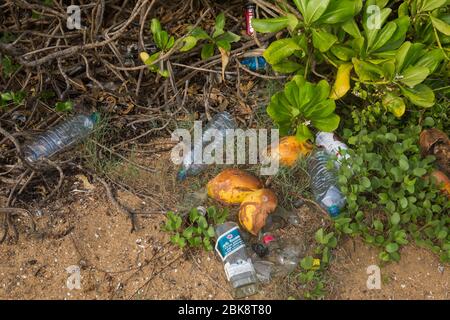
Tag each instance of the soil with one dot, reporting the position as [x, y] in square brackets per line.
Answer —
[83, 229]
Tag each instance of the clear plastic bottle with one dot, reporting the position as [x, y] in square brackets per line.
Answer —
[221, 122]
[324, 183]
[60, 137]
[276, 258]
[281, 218]
[330, 142]
[238, 265]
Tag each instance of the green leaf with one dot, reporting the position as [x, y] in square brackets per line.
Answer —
[307, 263]
[430, 5]
[378, 225]
[286, 66]
[418, 172]
[395, 218]
[367, 71]
[219, 25]
[7, 96]
[188, 43]
[280, 50]
[340, 11]
[391, 247]
[414, 75]
[403, 163]
[319, 236]
[431, 59]
[384, 36]
[394, 104]
[210, 231]
[399, 35]
[202, 223]
[323, 40]
[207, 51]
[224, 45]
[365, 182]
[402, 52]
[64, 106]
[351, 27]
[343, 53]
[187, 233]
[421, 95]
[328, 124]
[440, 25]
[194, 215]
[303, 133]
[229, 37]
[314, 10]
[274, 24]
[199, 33]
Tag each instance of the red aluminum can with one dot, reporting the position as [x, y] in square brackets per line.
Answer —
[250, 10]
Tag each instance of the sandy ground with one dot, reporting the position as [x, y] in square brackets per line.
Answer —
[83, 230]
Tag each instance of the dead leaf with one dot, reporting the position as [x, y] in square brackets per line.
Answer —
[86, 184]
[225, 56]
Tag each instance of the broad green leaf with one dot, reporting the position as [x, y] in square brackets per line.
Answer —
[188, 43]
[351, 27]
[340, 11]
[402, 52]
[219, 25]
[440, 25]
[314, 10]
[301, 6]
[394, 104]
[343, 53]
[307, 263]
[384, 36]
[207, 51]
[399, 36]
[199, 34]
[286, 66]
[229, 37]
[224, 45]
[373, 23]
[395, 218]
[280, 50]
[414, 75]
[418, 172]
[367, 71]
[430, 5]
[431, 60]
[303, 133]
[155, 27]
[421, 95]
[391, 247]
[270, 24]
[323, 40]
[328, 124]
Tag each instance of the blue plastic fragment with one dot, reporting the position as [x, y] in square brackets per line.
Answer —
[254, 63]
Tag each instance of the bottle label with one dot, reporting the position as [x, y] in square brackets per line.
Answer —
[229, 242]
[242, 266]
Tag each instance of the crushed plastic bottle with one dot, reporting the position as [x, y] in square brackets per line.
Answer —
[324, 183]
[238, 265]
[255, 63]
[330, 142]
[281, 218]
[221, 121]
[274, 258]
[60, 137]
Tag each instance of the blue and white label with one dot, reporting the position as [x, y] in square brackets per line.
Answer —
[229, 242]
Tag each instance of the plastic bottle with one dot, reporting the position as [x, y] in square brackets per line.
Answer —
[238, 265]
[221, 122]
[281, 218]
[276, 258]
[332, 145]
[324, 183]
[60, 137]
[254, 63]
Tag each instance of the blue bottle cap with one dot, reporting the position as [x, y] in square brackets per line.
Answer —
[334, 211]
[182, 174]
[95, 116]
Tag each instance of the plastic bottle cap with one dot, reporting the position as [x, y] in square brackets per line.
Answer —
[334, 211]
[95, 116]
[268, 238]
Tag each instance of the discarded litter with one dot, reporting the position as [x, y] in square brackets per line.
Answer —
[220, 122]
[324, 183]
[249, 13]
[332, 145]
[279, 257]
[62, 136]
[289, 150]
[255, 209]
[281, 218]
[231, 186]
[254, 63]
[238, 265]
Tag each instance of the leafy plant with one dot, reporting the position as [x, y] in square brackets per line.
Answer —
[11, 97]
[302, 104]
[196, 230]
[219, 38]
[312, 269]
[8, 67]
[390, 200]
[64, 106]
